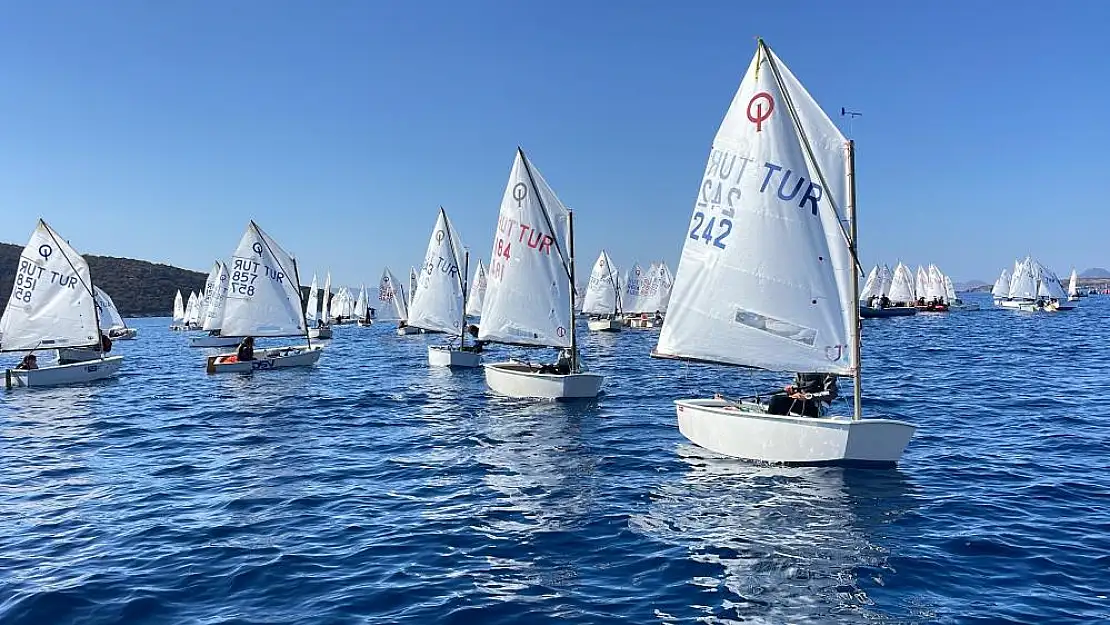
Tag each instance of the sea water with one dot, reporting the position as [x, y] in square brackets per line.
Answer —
[372, 489]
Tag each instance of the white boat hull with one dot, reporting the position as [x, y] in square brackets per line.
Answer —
[320, 333]
[516, 379]
[605, 325]
[718, 425]
[407, 330]
[60, 375]
[266, 359]
[642, 324]
[215, 341]
[440, 356]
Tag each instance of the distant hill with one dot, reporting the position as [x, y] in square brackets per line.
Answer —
[138, 288]
[1096, 273]
[971, 285]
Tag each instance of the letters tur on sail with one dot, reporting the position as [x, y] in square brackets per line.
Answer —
[476, 296]
[528, 293]
[262, 297]
[765, 276]
[603, 291]
[51, 304]
[438, 303]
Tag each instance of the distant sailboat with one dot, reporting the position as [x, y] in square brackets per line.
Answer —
[321, 329]
[875, 300]
[769, 280]
[477, 294]
[1001, 289]
[439, 303]
[264, 300]
[111, 322]
[53, 306]
[178, 312]
[530, 297]
[214, 312]
[391, 291]
[603, 296]
[1073, 287]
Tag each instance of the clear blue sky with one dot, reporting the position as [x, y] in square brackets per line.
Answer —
[155, 130]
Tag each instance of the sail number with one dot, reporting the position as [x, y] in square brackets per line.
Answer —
[704, 230]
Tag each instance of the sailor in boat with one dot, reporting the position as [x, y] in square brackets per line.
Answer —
[807, 396]
[246, 349]
[476, 346]
[658, 317]
[561, 366]
[30, 361]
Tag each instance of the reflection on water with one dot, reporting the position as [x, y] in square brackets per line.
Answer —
[778, 544]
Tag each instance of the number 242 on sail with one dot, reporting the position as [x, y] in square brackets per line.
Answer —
[723, 226]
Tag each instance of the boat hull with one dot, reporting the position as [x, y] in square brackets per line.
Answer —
[267, 359]
[215, 341]
[516, 379]
[641, 324]
[868, 312]
[605, 325]
[720, 426]
[123, 334]
[407, 330]
[320, 333]
[61, 375]
[441, 356]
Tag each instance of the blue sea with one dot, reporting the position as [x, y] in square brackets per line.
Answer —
[372, 489]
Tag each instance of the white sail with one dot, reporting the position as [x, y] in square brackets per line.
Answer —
[886, 277]
[192, 314]
[477, 292]
[325, 302]
[934, 288]
[528, 299]
[214, 312]
[666, 285]
[1023, 284]
[1002, 285]
[603, 290]
[391, 291]
[312, 308]
[901, 285]
[634, 281]
[1073, 285]
[178, 307]
[1049, 284]
[765, 276]
[439, 300]
[263, 298]
[51, 303]
[209, 293]
[106, 310]
[359, 309]
[949, 291]
[872, 287]
[921, 283]
[655, 289]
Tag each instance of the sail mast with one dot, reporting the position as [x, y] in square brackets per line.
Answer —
[463, 281]
[300, 305]
[573, 288]
[857, 391]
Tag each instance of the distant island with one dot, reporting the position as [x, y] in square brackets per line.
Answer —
[139, 288]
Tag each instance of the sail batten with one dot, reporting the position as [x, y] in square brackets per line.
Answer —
[765, 279]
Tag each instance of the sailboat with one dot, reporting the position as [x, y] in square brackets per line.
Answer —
[439, 303]
[391, 291]
[768, 277]
[264, 300]
[362, 312]
[876, 301]
[178, 312]
[111, 322]
[955, 304]
[214, 312]
[1001, 289]
[1073, 287]
[192, 312]
[320, 328]
[603, 296]
[477, 291]
[530, 296]
[53, 306]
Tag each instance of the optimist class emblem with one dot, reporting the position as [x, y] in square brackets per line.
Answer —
[756, 114]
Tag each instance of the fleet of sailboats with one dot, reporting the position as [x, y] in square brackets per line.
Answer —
[1033, 287]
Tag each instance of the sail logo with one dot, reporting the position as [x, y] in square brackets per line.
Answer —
[756, 113]
[520, 191]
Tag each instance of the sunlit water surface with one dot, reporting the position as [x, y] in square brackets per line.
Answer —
[372, 489]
